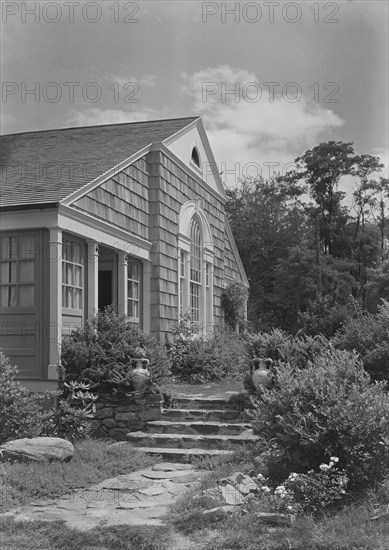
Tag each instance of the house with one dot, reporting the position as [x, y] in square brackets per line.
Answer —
[125, 214]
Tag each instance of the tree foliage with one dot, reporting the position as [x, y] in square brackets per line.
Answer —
[313, 258]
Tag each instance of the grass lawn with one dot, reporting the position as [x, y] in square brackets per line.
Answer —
[56, 536]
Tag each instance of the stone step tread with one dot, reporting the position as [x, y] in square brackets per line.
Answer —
[204, 402]
[212, 415]
[184, 452]
[243, 425]
[205, 411]
[192, 437]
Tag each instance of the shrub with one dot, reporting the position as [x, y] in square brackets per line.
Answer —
[25, 414]
[280, 346]
[107, 343]
[329, 408]
[368, 334]
[195, 360]
[21, 414]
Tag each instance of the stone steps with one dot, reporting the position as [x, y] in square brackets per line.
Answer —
[183, 441]
[205, 415]
[196, 427]
[200, 427]
[183, 455]
[203, 403]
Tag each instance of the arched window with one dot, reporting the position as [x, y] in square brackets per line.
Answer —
[196, 156]
[195, 266]
[195, 269]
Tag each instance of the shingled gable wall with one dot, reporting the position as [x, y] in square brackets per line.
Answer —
[170, 188]
[146, 199]
[123, 200]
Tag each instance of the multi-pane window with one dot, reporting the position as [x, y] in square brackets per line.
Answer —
[72, 275]
[134, 290]
[195, 269]
[182, 279]
[18, 257]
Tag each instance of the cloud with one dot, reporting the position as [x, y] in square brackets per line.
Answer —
[7, 123]
[250, 122]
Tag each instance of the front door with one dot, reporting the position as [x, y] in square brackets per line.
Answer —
[105, 294]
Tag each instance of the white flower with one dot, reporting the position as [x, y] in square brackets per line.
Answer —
[293, 476]
[334, 458]
[324, 467]
[289, 508]
[330, 464]
[260, 477]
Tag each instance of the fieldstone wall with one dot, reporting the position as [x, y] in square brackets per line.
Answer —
[116, 415]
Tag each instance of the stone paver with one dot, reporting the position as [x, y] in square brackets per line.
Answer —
[139, 498]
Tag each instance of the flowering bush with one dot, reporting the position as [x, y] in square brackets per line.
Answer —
[313, 492]
[329, 408]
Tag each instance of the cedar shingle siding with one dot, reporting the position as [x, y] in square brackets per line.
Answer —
[116, 190]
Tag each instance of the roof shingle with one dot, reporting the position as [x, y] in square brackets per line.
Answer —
[47, 166]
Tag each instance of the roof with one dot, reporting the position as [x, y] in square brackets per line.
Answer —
[45, 167]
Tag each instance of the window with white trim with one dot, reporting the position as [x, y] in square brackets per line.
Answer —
[195, 265]
[195, 269]
[18, 257]
[72, 275]
[134, 278]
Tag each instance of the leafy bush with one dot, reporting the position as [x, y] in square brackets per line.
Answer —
[25, 414]
[21, 414]
[329, 408]
[280, 346]
[368, 334]
[195, 360]
[105, 345]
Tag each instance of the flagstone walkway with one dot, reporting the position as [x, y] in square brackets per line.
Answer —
[139, 498]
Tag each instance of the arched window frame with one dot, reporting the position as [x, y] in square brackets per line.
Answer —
[193, 218]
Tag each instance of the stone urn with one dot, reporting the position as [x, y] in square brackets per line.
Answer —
[261, 375]
[140, 374]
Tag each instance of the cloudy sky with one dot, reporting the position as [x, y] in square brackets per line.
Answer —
[269, 79]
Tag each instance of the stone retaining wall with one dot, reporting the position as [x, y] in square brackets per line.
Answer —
[116, 415]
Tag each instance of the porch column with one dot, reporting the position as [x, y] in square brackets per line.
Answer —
[122, 283]
[146, 297]
[55, 287]
[93, 278]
